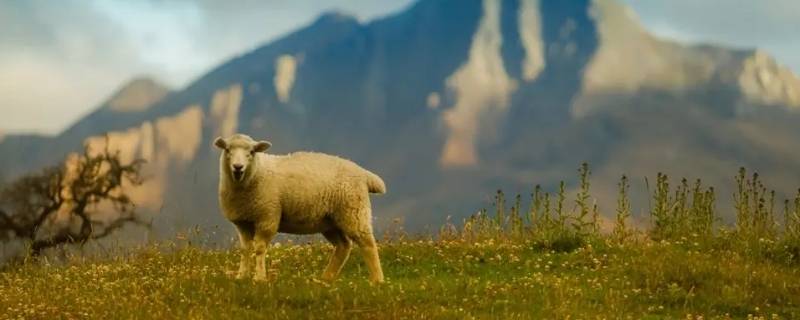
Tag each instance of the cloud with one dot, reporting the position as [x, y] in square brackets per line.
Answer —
[62, 60]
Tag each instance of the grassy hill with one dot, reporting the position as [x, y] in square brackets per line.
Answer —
[546, 261]
[452, 279]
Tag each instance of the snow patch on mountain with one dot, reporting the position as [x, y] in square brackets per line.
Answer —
[480, 85]
[530, 32]
[763, 81]
[225, 110]
[285, 69]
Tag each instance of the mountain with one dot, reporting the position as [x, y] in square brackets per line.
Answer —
[450, 100]
[137, 95]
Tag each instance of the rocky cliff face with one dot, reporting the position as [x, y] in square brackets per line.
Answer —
[451, 100]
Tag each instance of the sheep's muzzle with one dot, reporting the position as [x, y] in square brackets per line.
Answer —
[238, 172]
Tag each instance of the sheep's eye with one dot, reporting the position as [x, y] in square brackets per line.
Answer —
[252, 153]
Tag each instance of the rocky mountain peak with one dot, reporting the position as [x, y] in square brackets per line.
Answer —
[137, 95]
[335, 17]
[762, 80]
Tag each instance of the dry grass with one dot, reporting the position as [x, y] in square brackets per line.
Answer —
[539, 261]
[426, 279]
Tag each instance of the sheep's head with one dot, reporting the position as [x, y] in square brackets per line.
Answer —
[238, 153]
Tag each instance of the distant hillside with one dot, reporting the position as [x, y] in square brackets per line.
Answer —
[450, 100]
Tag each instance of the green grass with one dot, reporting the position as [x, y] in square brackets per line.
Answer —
[546, 261]
[425, 279]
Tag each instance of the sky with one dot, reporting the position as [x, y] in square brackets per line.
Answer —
[61, 59]
[771, 25]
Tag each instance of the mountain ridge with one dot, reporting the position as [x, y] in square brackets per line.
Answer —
[450, 100]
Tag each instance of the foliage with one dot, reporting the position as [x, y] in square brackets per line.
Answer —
[621, 230]
[59, 205]
[686, 210]
[548, 220]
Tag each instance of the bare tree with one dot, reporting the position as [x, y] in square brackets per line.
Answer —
[59, 205]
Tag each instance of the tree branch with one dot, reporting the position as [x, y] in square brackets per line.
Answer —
[37, 198]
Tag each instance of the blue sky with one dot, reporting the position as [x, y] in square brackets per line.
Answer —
[772, 25]
[61, 59]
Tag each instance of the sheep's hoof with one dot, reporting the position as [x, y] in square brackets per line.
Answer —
[240, 276]
[324, 282]
[267, 277]
[236, 274]
[326, 278]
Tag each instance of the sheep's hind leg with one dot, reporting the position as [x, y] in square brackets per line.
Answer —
[246, 233]
[368, 244]
[356, 224]
[261, 242]
[341, 252]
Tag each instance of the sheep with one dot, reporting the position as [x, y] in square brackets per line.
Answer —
[300, 193]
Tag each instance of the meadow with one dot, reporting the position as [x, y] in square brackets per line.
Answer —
[537, 260]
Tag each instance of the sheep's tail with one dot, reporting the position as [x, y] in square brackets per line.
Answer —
[375, 183]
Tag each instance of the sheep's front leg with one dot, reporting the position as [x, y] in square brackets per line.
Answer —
[246, 233]
[261, 242]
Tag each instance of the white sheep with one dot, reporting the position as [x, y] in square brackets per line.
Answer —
[298, 193]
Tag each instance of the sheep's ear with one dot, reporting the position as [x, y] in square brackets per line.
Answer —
[220, 143]
[262, 146]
